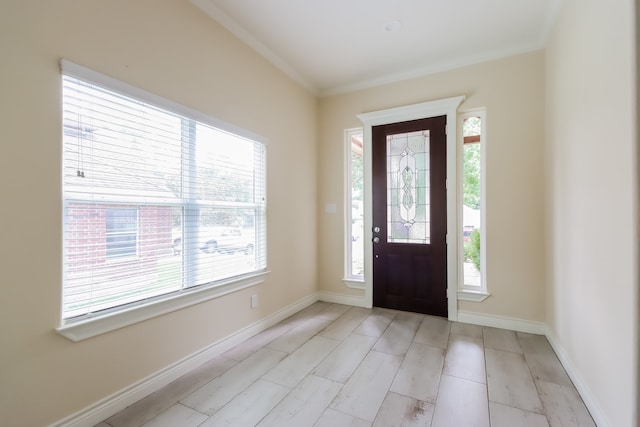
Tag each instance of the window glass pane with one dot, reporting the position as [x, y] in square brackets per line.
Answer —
[121, 231]
[356, 207]
[155, 202]
[114, 144]
[408, 189]
[471, 212]
[224, 165]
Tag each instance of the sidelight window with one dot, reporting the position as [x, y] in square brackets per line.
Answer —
[354, 212]
[473, 278]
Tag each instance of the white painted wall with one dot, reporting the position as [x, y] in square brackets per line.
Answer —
[592, 217]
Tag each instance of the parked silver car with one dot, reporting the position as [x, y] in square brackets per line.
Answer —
[220, 239]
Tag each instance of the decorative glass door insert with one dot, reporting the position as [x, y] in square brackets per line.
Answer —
[408, 198]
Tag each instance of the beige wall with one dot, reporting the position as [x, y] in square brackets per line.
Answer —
[591, 202]
[581, 182]
[512, 91]
[170, 48]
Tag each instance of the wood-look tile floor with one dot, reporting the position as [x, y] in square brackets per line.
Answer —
[335, 365]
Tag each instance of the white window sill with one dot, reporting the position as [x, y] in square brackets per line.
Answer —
[472, 295]
[354, 283]
[87, 328]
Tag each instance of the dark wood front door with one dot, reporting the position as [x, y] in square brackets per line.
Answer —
[410, 216]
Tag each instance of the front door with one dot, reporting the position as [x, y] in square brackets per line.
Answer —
[410, 216]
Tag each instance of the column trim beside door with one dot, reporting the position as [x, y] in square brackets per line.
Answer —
[448, 107]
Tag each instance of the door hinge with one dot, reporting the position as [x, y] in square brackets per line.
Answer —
[446, 238]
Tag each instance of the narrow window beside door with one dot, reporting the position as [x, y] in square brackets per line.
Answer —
[354, 213]
[472, 202]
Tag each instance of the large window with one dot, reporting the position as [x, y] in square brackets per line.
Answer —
[158, 201]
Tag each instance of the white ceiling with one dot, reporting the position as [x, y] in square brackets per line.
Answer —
[333, 46]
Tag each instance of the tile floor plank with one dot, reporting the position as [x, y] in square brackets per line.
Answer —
[256, 342]
[402, 411]
[218, 392]
[377, 322]
[397, 338]
[564, 406]
[332, 312]
[306, 313]
[465, 358]
[466, 329]
[333, 418]
[434, 331]
[304, 405]
[461, 403]
[345, 358]
[506, 416]
[250, 406]
[346, 323]
[177, 415]
[542, 360]
[294, 338]
[510, 382]
[419, 373]
[152, 405]
[501, 339]
[363, 394]
[290, 371]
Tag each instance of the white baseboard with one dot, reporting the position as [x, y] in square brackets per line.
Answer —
[120, 400]
[529, 326]
[355, 301]
[583, 390]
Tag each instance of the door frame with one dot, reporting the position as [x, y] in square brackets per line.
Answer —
[442, 107]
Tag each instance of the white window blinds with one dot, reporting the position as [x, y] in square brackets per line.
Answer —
[157, 201]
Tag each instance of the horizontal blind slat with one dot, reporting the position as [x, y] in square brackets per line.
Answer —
[146, 192]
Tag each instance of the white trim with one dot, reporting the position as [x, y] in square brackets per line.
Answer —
[71, 69]
[473, 296]
[353, 300]
[520, 325]
[78, 331]
[120, 400]
[97, 323]
[467, 293]
[354, 283]
[584, 391]
[348, 210]
[441, 107]
[245, 36]
[541, 328]
[428, 70]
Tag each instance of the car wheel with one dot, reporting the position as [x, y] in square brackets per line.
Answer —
[211, 247]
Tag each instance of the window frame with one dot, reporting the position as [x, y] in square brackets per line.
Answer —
[118, 317]
[467, 292]
[351, 280]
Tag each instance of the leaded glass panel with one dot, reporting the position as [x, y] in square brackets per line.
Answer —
[408, 201]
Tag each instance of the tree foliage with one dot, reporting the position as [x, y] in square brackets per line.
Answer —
[471, 177]
[472, 248]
